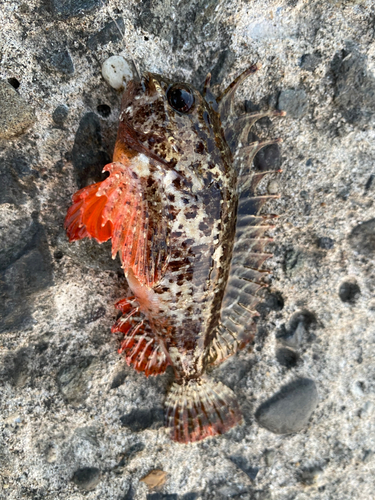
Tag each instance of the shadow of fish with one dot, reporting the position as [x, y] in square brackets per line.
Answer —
[181, 208]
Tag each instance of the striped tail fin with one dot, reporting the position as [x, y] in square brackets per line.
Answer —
[201, 408]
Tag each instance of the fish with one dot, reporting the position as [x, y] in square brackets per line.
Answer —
[181, 207]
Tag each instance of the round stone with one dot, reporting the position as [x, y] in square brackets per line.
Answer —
[117, 72]
[273, 187]
[290, 409]
[60, 114]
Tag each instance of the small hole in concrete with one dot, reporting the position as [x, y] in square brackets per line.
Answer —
[14, 82]
[104, 110]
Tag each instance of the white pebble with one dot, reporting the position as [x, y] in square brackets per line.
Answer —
[273, 187]
[117, 72]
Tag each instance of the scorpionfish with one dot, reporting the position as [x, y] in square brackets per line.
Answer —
[181, 208]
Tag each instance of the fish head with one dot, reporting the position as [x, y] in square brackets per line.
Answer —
[174, 123]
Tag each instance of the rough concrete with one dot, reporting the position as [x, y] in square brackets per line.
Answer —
[75, 422]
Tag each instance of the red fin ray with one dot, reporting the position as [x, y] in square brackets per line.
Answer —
[117, 208]
[138, 344]
[201, 408]
[84, 216]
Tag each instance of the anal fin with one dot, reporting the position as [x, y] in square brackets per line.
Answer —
[137, 341]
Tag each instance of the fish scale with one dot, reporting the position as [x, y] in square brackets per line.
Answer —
[181, 208]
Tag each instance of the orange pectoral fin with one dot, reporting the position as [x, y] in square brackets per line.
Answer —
[118, 208]
[85, 216]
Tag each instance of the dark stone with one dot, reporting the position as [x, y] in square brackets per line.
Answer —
[73, 379]
[60, 114]
[294, 259]
[326, 243]
[118, 379]
[190, 496]
[162, 496]
[268, 158]
[14, 83]
[104, 110]
[222, 67]
[141, 419]
[62, 61]
[24, 274]
[16, 115]
[72, 8]
[309, 62]
[294, 102]
[349, 291]
[87, 478]
[251, 107]
[297, 329]
[354, 87]
[88, 156]
[362, 238]
[286, 357]
[243, 464]
[112, 32]
[290, 409]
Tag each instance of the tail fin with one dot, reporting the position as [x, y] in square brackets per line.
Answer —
[201, 408]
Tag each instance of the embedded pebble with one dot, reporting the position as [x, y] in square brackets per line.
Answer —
[362, 238]
[273, 187]
[117, 72]
[60, 114]
[326, 243]
[15, 114]
[290, 409]
[155, 479]
[87, 478]
[349, 291]
[67, 9]
[294, 102]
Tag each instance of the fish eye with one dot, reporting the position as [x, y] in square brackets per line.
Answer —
[180, 97]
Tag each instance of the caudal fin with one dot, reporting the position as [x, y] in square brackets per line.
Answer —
[201, 408]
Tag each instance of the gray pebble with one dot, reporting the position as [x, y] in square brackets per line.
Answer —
[60, 114]
[66, 9]
[326, 243]
[309, 62]
[15, 114]
[290, 409]
[362, 238]
[62, 61]
[349, 291]
[294, 102]
[269, 457]
[87, 478]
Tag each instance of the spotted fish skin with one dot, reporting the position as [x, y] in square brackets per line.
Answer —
[171, 207]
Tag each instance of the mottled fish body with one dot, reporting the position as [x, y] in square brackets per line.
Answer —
[183, 214]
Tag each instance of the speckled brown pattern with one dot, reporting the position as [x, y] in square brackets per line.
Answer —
[182, 211]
